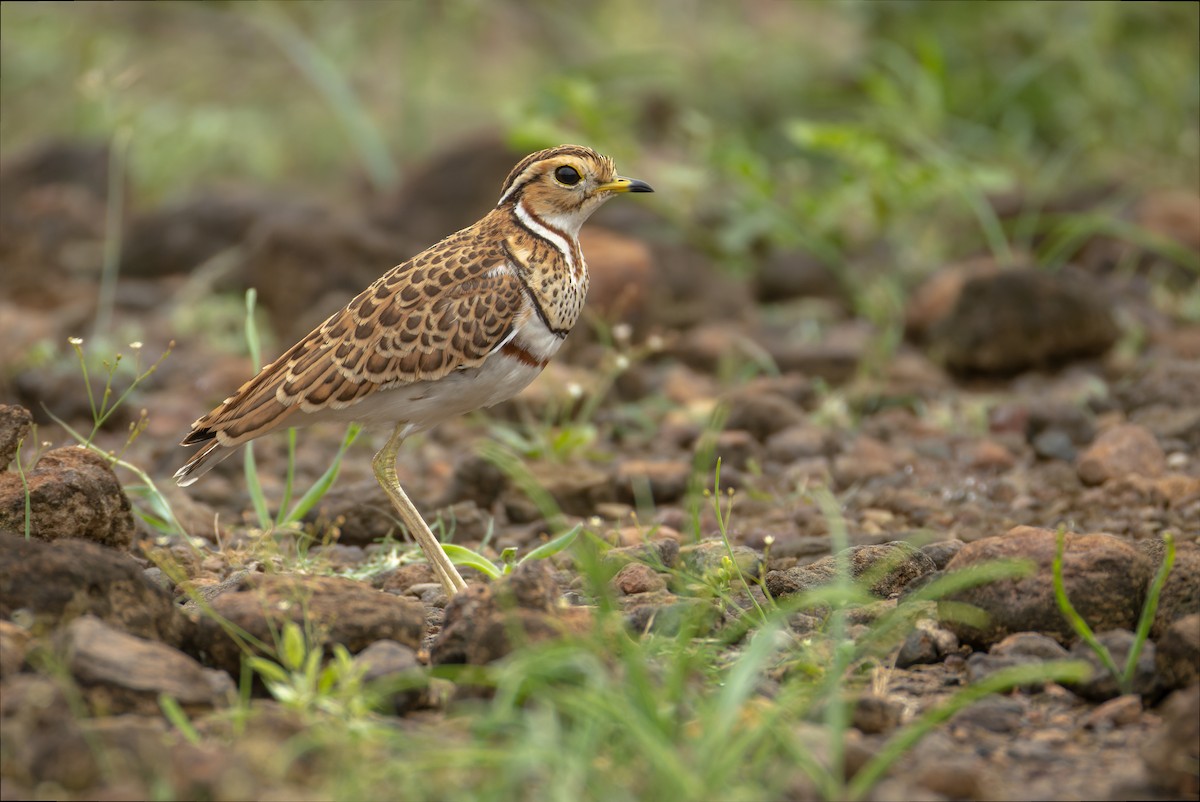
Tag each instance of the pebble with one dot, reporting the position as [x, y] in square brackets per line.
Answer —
[1119, 712]
[1119, 451]
[638, 578]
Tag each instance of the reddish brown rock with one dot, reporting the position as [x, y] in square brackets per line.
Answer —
[58, 582]
[1120, 451]
[638, 578]
[1105, 579]
[73, 493]
[335, 609]
[1019, 319]
[621, 270]
[15, 423]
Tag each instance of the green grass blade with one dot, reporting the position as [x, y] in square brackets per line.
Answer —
[460, 555]
[290, 478]
[1148, 610]
[175, 714]
[552, 547]
[1074, 618]
[322, 485]
[254, 487]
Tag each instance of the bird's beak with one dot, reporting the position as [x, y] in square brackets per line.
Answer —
[625, 185]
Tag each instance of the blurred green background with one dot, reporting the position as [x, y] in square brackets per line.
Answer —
[884, 131]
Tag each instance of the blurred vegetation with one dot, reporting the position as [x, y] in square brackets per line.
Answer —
[864, 130]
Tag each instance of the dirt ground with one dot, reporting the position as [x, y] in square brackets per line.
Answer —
[1010, 401]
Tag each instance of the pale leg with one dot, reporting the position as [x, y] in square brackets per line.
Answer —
[385, 472]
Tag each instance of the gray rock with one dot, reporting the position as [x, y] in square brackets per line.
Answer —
[1178, 653]
[1102, 685]
[926, 644]
[393, 671]
[120, 673]
[1172, 754]
[887, 567]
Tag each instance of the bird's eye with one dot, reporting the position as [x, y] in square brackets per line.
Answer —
[568, 175]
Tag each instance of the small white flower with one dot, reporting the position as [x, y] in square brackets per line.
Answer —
[622, 332]
[75, 340]
[136, 345]
[575, 390]
[622, 362]
[655, 343]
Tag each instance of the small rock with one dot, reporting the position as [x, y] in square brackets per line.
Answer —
[361, 510]
[1178, 653]
[988, 455]
[942, 551]
[1180, 595]
[1029, 644]
[1119, 712]
[954, 777]
[15, 423]
[890, 566]
[926, 644]
[710, 555]
[1000, 714]
[14, 644]
[1120, 451]
[799, 442]
[1057, 430]
[670, 615]
[867, 458]
[388, 665]
[1019, 319]
[43, 739]
[783, 275]
[403, 578]
[577, 486]
[761, 413]
[736, 448]
[58, 582]
[1105, 579]
[338, 610]
[482, 622]
[664, 481]
[874, 714]
[120, 673]
[73, 493]
[1172, 754]
[622, 272]
[477, 479]
[638, 578]
[661, 551]
[1054, 444]
[1103, 685]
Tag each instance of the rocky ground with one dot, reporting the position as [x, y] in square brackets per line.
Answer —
[1018, 401]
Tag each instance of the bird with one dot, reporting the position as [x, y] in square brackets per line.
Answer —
[465, 324]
